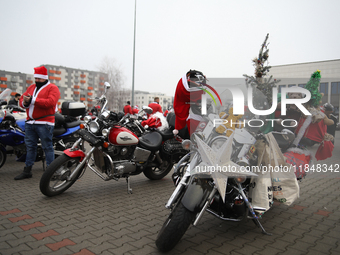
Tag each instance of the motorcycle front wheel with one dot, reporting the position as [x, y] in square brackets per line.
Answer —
[158, 172]
[174, 228]
[55, 181]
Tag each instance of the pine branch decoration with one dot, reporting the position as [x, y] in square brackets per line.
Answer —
[261, 70]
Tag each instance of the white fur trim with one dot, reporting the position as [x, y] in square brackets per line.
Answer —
[163, 120]
[195, 117]
[302, 130]
[34, 97]
[41, 76]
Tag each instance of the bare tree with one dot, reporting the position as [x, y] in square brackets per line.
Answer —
[115, 78]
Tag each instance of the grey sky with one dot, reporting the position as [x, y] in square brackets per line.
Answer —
[218, 37]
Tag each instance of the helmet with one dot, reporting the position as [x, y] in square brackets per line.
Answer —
[328, 107]
[196, 77]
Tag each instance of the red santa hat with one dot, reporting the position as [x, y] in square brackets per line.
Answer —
[40, 72]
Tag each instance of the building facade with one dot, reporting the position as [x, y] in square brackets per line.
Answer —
[81, 85]
[74, 84]
[299, 75]
[142, 98]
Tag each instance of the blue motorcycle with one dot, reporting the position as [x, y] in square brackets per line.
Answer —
[12, 135]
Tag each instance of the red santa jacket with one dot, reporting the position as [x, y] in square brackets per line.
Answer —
[316, 132]
[43, 103]
[155, 107]
[183, 96]
[135, 110]
[127, 109]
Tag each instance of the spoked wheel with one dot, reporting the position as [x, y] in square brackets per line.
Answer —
[174, 228]
[55, 179]
[158, 172]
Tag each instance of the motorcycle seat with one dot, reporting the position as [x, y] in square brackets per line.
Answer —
[62, 122]
[58, 131]
[284, 139]
[151, 141]
[72, 124]
[166, 134]
[184, 132]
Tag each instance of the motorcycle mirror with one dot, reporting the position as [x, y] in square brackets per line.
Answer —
[107, 85]
[147, 109]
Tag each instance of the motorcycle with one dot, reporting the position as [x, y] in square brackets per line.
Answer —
[115, 152]
[12, 134]
[201, 187]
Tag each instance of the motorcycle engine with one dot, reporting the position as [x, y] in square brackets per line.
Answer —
[172, 146]
[120, 152]
[103, 162]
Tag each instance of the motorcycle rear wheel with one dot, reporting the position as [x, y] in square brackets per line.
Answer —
[54, 180]
[3, 157]
[158, 172]
[174, 228]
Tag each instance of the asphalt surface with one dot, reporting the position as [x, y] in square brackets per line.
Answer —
[98, 217]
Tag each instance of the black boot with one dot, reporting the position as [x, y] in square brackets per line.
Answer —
[27, 173]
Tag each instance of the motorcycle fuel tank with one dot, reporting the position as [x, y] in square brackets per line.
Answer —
[122, 136]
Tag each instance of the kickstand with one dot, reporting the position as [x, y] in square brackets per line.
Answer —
[257, 223]
[129, 190]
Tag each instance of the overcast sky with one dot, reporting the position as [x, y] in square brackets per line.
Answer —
[218, 37]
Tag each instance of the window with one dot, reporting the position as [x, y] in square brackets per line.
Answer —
[302, 85]
[280, 87]
[291, 85]
[335, 87]
[324, 88]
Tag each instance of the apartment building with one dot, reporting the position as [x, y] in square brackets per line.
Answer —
[145, 98]
[74, 84]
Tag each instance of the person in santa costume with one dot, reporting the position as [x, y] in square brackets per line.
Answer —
[188, 94]
[155, 106]
[127, 108]
[40, 101]
[135, 110]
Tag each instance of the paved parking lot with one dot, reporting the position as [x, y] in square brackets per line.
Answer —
[98, 217]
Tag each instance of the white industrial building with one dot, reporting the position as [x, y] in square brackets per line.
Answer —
[299, 75]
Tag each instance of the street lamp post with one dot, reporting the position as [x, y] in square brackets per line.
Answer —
[133, 65]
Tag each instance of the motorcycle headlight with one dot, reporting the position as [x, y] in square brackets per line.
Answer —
[94, 127]
[105, 132]
[217, 142]
[240, 179]
[87, 119]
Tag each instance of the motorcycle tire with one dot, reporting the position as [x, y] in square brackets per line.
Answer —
[158, 172]
[174, 228]
[3, 157]
[54, 180]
